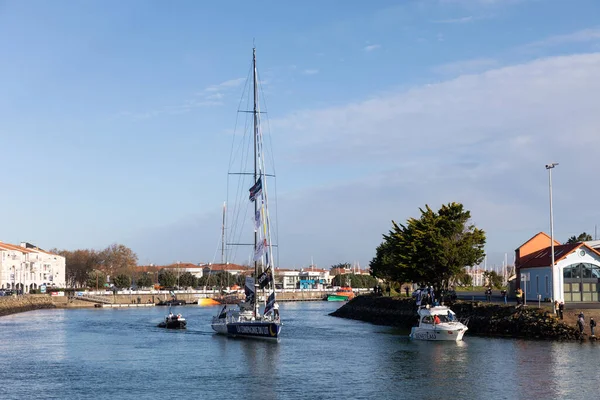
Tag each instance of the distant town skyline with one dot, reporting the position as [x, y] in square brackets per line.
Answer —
[116, 121]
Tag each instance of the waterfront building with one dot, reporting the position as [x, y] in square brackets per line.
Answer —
[577, 270]
[26, 267]
[477, 275]
[233, 269]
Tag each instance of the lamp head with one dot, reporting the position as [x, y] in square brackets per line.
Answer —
[552, 165]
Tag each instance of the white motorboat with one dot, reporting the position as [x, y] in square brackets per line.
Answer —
[438, 323]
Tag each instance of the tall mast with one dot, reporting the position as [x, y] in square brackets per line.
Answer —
[255, 113]
[223, 235]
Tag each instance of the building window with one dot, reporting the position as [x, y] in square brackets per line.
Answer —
[537, 284]
[548, 285]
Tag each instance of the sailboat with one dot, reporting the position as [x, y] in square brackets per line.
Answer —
[258, 315]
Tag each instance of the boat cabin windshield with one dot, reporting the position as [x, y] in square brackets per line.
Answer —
[429, 319]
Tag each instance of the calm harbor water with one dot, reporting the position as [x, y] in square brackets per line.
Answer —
[120, 354]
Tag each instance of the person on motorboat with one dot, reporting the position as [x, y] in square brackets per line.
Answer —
[436, 320]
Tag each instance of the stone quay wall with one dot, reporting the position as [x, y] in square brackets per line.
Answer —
[482, 318]
[17, 304]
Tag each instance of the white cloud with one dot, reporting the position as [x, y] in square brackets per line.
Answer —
[215, 96]
[481, 139]
[232, 83]
[465, 67]
[310, 71]
[584, 35]
[371, 47]
[461, 20]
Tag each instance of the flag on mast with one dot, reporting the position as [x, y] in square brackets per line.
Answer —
[260, 249]
[256, 189]
[257, 220]
[265, 278]
[270, 303]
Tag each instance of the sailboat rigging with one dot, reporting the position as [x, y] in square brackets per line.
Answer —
[246, 319]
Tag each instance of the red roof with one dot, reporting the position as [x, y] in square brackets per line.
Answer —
[8, 246]
[226, 267]
[543, 257]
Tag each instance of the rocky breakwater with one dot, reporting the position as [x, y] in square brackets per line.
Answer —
[17, 304]
[482, 318]
[517, 322]
[391, 311]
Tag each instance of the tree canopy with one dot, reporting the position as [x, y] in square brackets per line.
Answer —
[430, 250]
[493, 279]
[354, 280]
[122, 281]
[167, 278]
[95, 279]
[113, 260]
[145, 280]
[583, 237]
[188, 280]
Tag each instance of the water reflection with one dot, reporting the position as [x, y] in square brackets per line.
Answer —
[121, 354]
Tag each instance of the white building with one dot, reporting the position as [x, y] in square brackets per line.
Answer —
[576, 273]
[477, 276]
[233, 269]
[27, 267]
[312, 278]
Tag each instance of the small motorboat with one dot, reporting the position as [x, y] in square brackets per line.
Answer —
[438, 323]
[173, 321]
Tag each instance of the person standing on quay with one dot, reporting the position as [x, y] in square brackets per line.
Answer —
[580, 323]
[592, 326]
[561, 309]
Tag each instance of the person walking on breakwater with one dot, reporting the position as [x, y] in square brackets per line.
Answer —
[593, 327]
[556, 308]
[519, 294]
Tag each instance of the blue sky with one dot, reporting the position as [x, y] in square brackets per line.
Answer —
[116, 120]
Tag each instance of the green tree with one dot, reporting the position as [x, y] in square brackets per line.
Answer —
[583, 237]
[221, 279]
[122, 281]
[167, 278]
[355, 281]
[96, 279]
[188, 280]
[430, 250]
[493, 279]
[145, 280]
[464, 279]
[240, 280]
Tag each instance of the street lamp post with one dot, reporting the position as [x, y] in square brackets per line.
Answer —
[555, 285]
